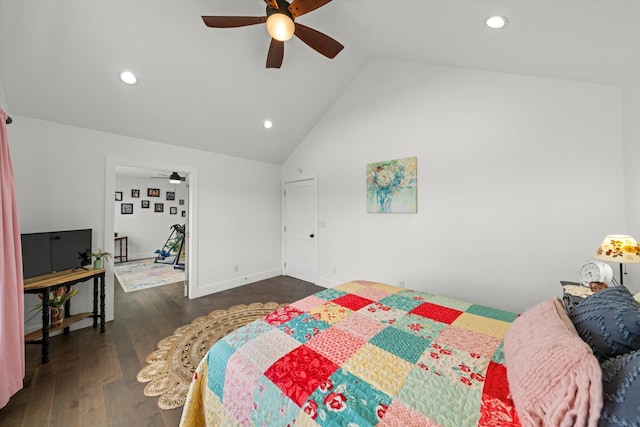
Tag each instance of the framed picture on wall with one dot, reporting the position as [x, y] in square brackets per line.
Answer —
[135, 193]
[392, 186]
[118, 196]
[173, 211]
[126, 208]
[171, 195]
[153, 192]
[158, 207]
[145, 204]
[184, 213]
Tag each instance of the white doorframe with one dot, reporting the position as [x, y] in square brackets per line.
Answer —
[191, 267]
[316, 240]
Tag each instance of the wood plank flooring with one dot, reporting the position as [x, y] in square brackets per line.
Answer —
[91, 377]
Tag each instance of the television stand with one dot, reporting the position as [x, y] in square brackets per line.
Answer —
[49, 283]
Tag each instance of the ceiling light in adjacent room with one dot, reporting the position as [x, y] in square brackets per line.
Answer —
[497, 22]
[268, 124]
[128, 77]
[175, 178]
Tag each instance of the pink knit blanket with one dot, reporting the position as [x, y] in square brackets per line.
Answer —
[554, 378]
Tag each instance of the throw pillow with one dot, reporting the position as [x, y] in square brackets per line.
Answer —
[621, 391]
[609, 321]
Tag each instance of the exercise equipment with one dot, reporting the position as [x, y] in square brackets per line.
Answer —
[173, 250]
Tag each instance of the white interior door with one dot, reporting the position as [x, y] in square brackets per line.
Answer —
[300, 234]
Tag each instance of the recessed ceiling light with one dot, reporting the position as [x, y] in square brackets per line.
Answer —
[128, 77]
[497, 22]
[268, 124]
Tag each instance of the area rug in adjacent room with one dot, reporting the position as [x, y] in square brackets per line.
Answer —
[146, 273]
[171, 366]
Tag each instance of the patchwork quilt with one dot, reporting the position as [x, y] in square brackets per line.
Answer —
[360, 354]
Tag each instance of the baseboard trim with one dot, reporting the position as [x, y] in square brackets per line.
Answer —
[212, 288]
[328, 283]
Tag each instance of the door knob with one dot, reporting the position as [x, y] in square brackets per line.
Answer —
[311, 235]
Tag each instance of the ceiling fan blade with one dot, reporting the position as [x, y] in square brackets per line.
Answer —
[318, 41]
[300, 7]
[273, 4]
[232, 21]
[276, 54]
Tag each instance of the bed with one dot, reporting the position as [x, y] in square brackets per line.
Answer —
[366, 353]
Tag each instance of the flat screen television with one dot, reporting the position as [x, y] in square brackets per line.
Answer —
[49, 252]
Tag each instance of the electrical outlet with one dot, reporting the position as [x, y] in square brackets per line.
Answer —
[236, 268]
[401, 283]
[335, 270]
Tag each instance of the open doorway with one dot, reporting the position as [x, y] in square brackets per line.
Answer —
[143, 212]
[150, 218]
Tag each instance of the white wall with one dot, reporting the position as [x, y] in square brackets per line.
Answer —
[631, 132]
[147, 230]
[504, 161]
[61, 180]
[518, 180]
[3, 98]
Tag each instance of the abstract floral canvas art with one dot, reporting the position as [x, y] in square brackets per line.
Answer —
[392, 186]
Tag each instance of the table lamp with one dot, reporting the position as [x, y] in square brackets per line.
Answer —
[619, 248]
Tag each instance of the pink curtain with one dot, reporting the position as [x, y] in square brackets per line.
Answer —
[11, 295]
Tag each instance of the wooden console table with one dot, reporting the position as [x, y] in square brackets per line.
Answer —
[49, 283]
[121, 257]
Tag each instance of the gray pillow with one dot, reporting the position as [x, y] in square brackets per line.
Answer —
[621, 391]
[609, 321]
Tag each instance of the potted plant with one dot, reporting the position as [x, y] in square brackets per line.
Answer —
[57, 300]
[100, 257]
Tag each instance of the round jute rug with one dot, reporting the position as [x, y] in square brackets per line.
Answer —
[171, 366]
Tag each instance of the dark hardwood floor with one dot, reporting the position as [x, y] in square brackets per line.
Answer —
[91, 377]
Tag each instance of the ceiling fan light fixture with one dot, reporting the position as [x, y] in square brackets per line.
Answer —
[175, 178]
[280, 26]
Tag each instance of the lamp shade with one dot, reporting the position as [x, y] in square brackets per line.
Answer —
[619, 248]
[280, 26]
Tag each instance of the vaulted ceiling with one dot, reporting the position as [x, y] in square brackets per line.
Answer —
[208, 88]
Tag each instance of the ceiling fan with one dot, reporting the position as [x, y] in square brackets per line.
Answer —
[174, 178]
[281, 26]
